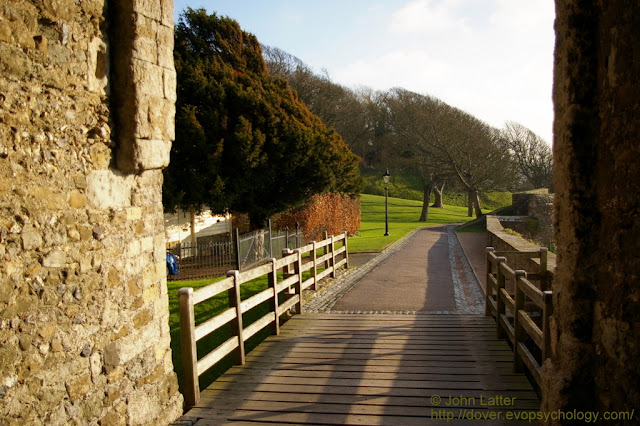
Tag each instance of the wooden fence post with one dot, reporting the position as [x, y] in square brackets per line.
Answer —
[314, 267]
[547, 311]
[237, 238]
[489, 286]
[346, 250]
[325, 236]
[188, 347]
[518, 330]
[286, 269]
[236, 324]
[500, 310]
[297, 267]
[333, 257]
[273, 304]
[544, 274]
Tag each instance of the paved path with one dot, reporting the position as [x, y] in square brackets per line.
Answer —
[426, 273]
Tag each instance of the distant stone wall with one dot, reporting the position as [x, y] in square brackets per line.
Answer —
[501, 240]
[86, 122]
[537, 205]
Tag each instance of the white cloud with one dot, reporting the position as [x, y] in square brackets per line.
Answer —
[423, 16]
[410, 69]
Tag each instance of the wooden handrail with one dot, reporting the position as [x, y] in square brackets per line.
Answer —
[520, 326]
[292, 266]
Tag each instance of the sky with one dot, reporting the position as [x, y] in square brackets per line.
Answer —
[490, 58]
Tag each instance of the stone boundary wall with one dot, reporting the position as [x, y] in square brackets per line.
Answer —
[87, 92]
[499, 239]
[538, 205]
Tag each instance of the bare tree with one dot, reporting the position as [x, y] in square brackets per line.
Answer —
[531, 153]
[449, 142]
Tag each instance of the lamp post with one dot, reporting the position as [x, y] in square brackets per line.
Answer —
[386, 178]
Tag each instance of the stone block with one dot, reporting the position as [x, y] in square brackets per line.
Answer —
[31, 238]
[77, 200]
[108, 189]
[152, 154]
[170, 84]
[149, 8]
[55, 259]
[165, 46]
[78, 386]
[148, 78]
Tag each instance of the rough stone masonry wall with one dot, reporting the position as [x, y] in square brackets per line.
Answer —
[86, 120]
[596, 360]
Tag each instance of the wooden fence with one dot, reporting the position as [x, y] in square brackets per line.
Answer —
[521, 308]
[292, 265]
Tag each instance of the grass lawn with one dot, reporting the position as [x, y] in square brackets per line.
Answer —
[403, 218]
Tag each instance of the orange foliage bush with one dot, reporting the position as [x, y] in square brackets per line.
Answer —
[333, 213]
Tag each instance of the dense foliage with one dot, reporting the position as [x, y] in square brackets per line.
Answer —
[244, 141]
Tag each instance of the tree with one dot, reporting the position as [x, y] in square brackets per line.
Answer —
[531, 153]
[338, 107]
[244, 141]
[448, 142]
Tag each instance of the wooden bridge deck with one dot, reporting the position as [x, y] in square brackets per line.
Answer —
[373, 369]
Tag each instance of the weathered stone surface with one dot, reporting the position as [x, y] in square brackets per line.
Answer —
[596, 362]
[75, 324]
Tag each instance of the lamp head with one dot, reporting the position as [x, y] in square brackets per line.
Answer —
[386, 176]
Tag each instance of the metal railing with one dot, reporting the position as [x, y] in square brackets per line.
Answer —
[216, 255]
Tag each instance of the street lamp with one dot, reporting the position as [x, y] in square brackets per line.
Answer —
[386, 178]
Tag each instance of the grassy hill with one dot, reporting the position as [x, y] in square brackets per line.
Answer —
[403, 218]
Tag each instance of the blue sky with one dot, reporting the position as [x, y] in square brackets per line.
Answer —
[491, 58]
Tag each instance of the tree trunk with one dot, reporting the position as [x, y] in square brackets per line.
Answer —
[470, 203]
[438, 200]
[427, 188]
[476, 203]
[257, 221]
[192, 220]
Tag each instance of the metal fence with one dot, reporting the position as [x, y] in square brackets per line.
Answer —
[214, 256]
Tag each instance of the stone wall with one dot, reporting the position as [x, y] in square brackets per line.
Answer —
[86, 122]
[596, 358]
[503, 241]
[537, 205]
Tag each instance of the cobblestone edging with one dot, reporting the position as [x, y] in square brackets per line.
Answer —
[467, 293]
[468, 296]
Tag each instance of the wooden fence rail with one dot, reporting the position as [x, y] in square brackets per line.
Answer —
[291, 264]
[514, 319]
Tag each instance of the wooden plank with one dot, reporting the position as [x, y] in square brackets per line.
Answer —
[211, 290]
[256, 299]
[531, 328]
[531, 291]
[286, 283]
[405, 401]
[323, 274]
[307, 283]
[214, 323]
[531, 363]
[373, 369]
[257, 325]
[284, 261]
[216, 355]
[253, 273]
[508, 301]
[323, 258]
[506, 325]
[519, 394]
[288, 304]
